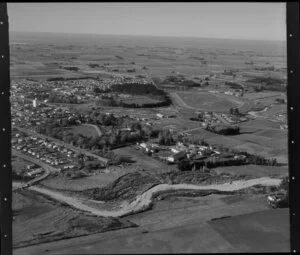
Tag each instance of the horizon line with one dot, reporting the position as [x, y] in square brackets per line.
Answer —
[142, 35]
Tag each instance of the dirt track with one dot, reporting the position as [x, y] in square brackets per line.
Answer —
[144, 201]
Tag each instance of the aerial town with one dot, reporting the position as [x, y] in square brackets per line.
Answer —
[120, 139]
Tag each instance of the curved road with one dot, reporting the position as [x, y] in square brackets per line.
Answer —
[48, 169]
[144, 201]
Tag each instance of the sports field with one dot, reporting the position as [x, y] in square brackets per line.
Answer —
[86, 130]
[207, 102]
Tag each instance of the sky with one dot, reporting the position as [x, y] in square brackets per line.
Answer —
[256, 21]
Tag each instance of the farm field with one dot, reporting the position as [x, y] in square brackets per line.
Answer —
[38, 219]
[247, 231]
[254, 170]
[262, 124]
[264, 95]
[182, 232]
[161, 56]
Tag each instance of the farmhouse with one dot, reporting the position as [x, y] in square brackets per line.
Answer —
[159, 115]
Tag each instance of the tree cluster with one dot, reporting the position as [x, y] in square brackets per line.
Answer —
[268, 83]
[69, 78]
[92, 65]
[234, 111]
[234, 85]
[66, 99]
[223, 129]
[71, 68]
[165, 137]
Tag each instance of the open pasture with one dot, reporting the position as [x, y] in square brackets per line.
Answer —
[260, 123]
[190, 232]
[255, 171]
[99, 179]
[247, 231]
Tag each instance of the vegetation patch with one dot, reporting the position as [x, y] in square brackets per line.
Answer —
[38, 219]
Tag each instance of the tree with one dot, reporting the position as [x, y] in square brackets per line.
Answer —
[124, 137]
[136, 126]
[184, 165]
[161, 138]
[65, 122]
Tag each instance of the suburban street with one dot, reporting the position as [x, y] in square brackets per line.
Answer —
[69, 146]
[48, 169]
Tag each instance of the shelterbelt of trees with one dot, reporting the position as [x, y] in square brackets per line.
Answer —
[70, 78]
[70, 99]
[213, 162]
[268, 83]
[222, 129]
[148, 90]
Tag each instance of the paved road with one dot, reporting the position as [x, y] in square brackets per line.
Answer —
[144, 201]
[69, 146]
[48, 169]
